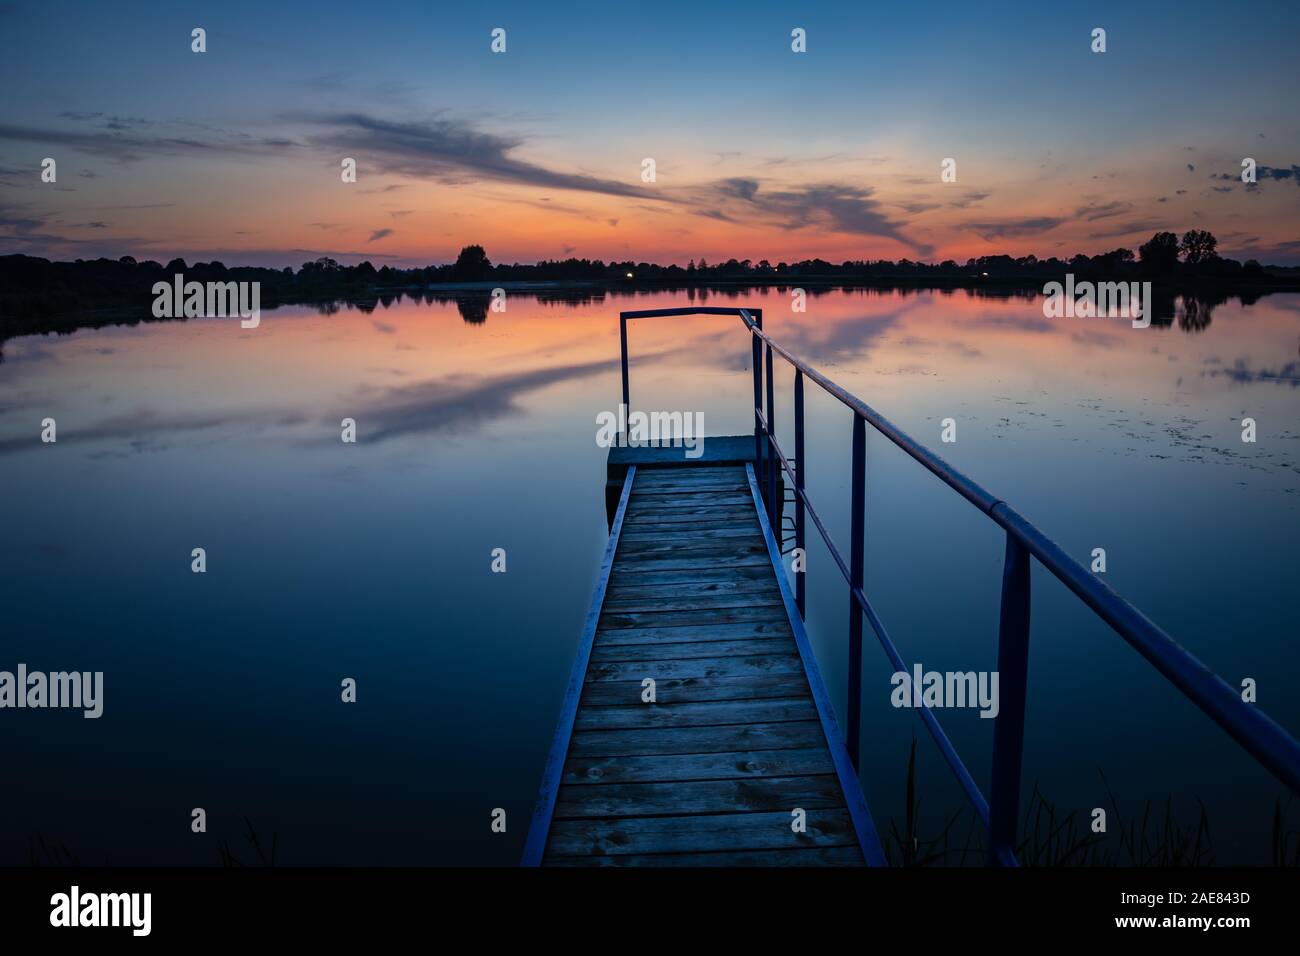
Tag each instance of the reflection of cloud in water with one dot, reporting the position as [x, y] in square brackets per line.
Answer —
[141, 428]
[839, 341]
[1243, 374]
[1024, 323]
[31, 353]
[961, 348]
[452, 403]
[1098, 339]
[443, 405]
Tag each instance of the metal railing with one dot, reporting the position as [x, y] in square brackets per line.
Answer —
[1254, 730]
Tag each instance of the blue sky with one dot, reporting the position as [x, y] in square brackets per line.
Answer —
[842, 143]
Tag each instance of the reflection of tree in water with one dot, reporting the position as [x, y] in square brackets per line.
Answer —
[1198, 311]
[1196, 315]
[473, 310]
[1193, 314]
[1162, 308]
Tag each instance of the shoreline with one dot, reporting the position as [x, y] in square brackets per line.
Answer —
[131, 311]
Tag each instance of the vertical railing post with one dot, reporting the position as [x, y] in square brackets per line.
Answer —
[758, 402]
[800, 544]
[622, 335]
[857, 567]
[773, 463]
[1009, 725]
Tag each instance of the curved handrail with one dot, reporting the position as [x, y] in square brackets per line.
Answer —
[1251, 727]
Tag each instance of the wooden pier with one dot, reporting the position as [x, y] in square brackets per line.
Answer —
[739, 741]
[736, 760]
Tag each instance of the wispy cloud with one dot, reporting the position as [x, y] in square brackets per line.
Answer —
[835, 206]
[1262, 175]
[970, 199]
[451, 150]
[1014, 228]
[113, 142]
[1093, 211]
[1127, 229]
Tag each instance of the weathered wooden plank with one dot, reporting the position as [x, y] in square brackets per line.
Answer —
[691, 487]
[670, 549]
[671, 476]
[651, 476]
[698, 796]
[702, 714]
[619, 578]
[682, 668]
[731, 498]
[743, 630]
[665, 506]
[727, 765]
[650, 524]
[676, 516]
[690, 533]
[716, 832]
[767, 598]
[718, 615]
[693, 740]
[692, 541]
[710, 497]
[809, 856]
[702, 544]
[680, 690]
[643, 564]
[687, 499]
[691, 589]
[601, 654]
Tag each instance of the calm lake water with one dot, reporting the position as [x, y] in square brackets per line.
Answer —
[372, 560]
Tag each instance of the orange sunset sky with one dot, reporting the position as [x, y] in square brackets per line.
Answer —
[537, 152]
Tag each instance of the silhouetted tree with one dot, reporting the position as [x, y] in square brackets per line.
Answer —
[1160, 253]
[1197, 246]
[322, 267]
[472, 265]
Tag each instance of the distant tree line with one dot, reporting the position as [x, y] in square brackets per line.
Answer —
[33, 287]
